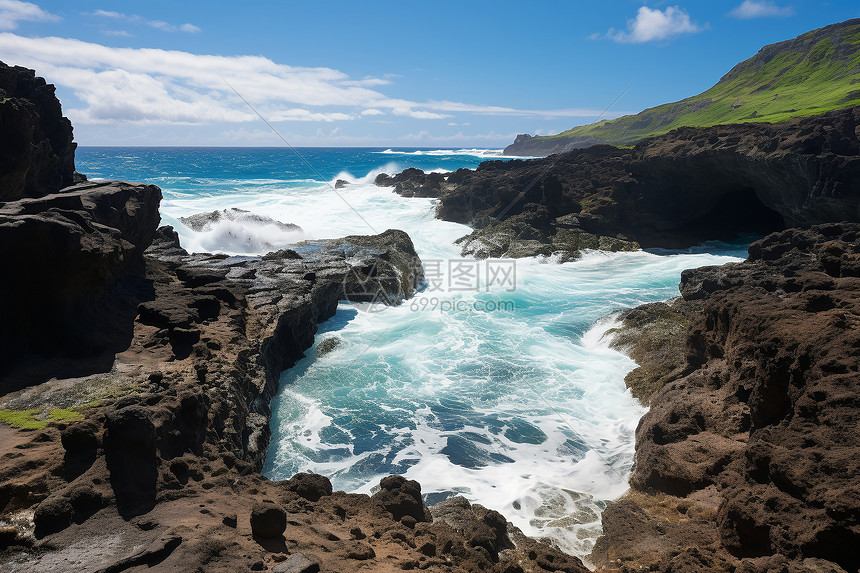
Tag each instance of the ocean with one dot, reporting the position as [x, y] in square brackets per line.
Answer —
[494, 382]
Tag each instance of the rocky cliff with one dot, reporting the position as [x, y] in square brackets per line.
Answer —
[73, 266]
[747, 459]
[675, 190]
[37, 153]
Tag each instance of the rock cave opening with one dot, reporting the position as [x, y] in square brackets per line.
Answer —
[735, 213]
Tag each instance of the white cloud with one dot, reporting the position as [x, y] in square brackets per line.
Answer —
[161, 86]
[13, 11]
[144, 86]
[509, 111]
[650, 25]
[298, 114]
[419, 114]
[157, 24]
[120, 33]
[368, 82]
[491, 138]
[763, 9]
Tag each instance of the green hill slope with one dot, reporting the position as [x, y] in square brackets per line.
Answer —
[813, 73]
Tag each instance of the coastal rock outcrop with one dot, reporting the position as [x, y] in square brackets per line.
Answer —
[414, 182]
[37, 153]
[676, 190]
[204, 221]
[526, 145]
[747, 459]
[73, 263]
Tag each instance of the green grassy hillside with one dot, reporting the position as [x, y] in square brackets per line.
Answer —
[813, 73]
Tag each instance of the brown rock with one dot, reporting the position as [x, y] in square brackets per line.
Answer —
[755, 436]
[268, 520]
[310, 486]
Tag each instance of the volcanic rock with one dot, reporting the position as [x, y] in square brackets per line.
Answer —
[74, 263]
[268, 520]
[748, 457]
[676, 190]
[37, 153]
[204, 221]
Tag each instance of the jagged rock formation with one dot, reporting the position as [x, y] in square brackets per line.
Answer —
[414, 182]
[747, 459]
[37, 154]
[675, 190]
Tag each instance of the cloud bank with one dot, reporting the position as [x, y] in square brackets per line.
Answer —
[155, 86]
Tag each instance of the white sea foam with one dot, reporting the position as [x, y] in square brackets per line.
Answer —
[481, 153]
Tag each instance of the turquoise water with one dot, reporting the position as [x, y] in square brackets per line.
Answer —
[502, 390]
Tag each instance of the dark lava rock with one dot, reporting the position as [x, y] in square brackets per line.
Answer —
[414, 182]
[328, 345]
[676, 190]
[481, 527]
[52, 515]
[203, 221]
[340, 184]
[37, 152]
[282, 254]
[131, 456]
[268, 520]
[83, 254]
[80, 443]
[310, 486]
[8, 536]
[85, 501]
[79, 438]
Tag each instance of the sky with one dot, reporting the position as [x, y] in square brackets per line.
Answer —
[442, 74]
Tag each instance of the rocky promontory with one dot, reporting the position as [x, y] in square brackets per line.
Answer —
[676, 190]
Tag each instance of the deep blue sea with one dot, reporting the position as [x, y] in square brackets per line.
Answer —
[495, 382]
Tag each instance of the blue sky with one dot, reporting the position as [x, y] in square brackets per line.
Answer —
[441, 74]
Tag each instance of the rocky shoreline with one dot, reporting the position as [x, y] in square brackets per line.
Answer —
[673, 191]
[136, 378]
[747, 459]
